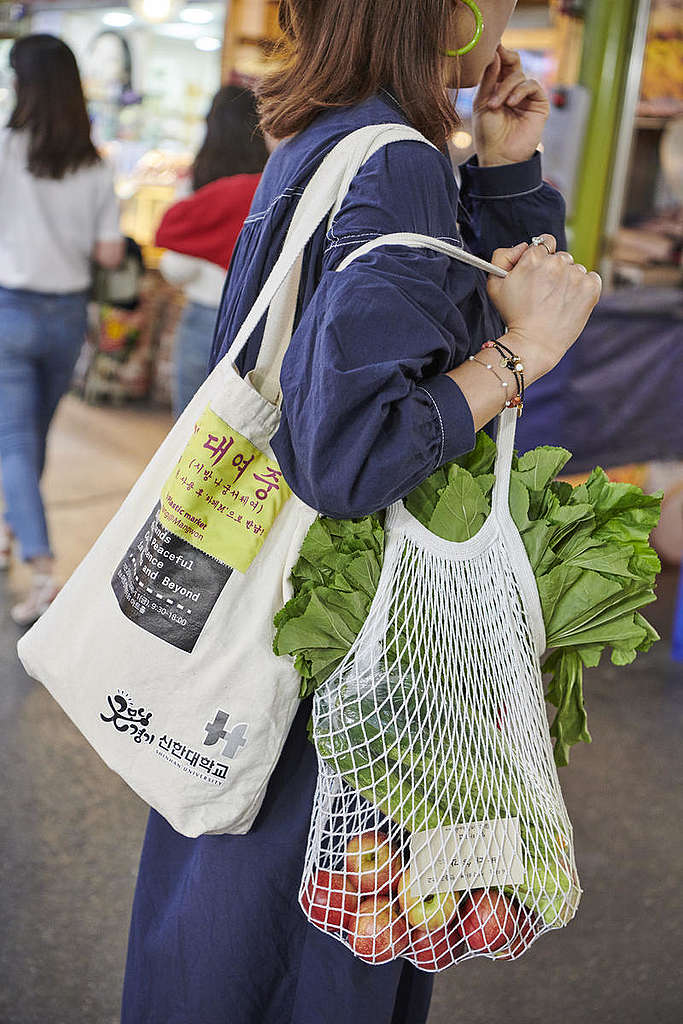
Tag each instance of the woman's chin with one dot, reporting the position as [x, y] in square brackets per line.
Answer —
[467, 78]
[472, 67]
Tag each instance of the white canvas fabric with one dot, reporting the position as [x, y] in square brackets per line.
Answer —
[157, 649]
[439, 831]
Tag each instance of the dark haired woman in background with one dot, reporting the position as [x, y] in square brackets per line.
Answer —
[58, 211]
[200, 232]
[377, 392]
[109, 69]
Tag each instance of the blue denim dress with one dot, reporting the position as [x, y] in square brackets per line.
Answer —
[217, 935]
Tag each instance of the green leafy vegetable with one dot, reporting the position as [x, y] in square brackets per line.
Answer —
[334, 580]
[461, 509]
[538, 468]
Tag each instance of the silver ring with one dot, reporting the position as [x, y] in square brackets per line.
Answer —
[540, 240]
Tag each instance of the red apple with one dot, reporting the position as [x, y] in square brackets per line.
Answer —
[378, 934]
[527, 928]
[431, 911]
[432, 951]
[372, 863]
[329, 900]
[488, 920]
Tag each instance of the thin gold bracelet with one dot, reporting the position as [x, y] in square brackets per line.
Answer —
[489, 366]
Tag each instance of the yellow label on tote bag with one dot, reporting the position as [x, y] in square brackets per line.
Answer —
[224, 494]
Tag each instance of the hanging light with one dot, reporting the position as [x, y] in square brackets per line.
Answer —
[117, 19]
[461, 140]
[156, 10]
[208, 43]
[196, 16]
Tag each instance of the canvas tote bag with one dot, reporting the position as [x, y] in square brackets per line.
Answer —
[159, 647]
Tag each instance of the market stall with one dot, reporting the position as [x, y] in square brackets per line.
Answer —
[150, 69]
[614, 398]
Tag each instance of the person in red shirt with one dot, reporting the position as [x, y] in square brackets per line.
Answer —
[200, 231]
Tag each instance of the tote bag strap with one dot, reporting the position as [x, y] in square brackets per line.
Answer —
[505, 443]
[322, 196]
[500, 506]
[277, 335]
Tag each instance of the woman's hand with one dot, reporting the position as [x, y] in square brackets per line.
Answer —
[109, 254]
[510, 111]
[545, 301]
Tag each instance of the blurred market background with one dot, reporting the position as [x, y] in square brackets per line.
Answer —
[614, 147]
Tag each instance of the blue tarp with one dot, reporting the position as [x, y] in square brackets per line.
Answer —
[617, 396]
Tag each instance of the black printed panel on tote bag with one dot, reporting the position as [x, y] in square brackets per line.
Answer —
[166, 586]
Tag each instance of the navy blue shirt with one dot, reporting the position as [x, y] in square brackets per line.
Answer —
[368, 411]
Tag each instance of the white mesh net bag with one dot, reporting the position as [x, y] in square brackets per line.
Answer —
[439, 831]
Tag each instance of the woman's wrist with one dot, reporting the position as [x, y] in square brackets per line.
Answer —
[490, 361]
[489, 159]
[535, 362]
[486, 392]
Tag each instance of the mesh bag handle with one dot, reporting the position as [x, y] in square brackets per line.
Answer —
[500, 519]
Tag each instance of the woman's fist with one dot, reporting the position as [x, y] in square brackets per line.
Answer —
[545, 300]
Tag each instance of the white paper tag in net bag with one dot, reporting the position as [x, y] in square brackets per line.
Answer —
[472, 855]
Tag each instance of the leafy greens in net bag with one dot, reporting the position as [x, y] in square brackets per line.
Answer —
[438, 830]
[588, 547]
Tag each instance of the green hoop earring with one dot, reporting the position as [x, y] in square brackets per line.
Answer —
[478, 29]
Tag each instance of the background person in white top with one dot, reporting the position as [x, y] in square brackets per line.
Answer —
[225, 175]
[58, 211]
[202, 283]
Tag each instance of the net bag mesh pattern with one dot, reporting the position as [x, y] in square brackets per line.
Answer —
[439, 831]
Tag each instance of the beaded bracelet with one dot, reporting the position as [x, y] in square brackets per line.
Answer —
[515, 365]
[512, 363]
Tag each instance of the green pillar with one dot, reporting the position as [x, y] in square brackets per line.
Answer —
[606, 54]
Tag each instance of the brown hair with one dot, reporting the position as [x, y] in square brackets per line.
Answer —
[233, 143]
[337, 53]
[50, 106]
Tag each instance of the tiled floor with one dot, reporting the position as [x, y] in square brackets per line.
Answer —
[72, 830]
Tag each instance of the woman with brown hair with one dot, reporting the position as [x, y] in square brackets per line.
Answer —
[378, 391]
[58, 212]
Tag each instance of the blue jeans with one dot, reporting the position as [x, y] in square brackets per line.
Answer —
[40, 338]
[193, 347]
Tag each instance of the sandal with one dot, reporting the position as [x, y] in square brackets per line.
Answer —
[5, 545]
[44, 590]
